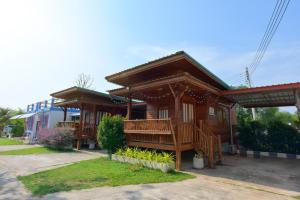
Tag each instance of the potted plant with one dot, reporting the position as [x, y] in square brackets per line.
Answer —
[91, 144]
[198, 160]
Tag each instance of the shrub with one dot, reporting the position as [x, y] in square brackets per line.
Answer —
[283, 138]
[58, 138]
[253, 136]
[274, 136]
[163, 157]
[18, 130]
[110, 133]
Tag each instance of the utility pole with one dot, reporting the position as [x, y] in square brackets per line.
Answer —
[248, 82]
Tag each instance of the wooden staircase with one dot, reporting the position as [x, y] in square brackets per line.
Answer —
[208, 143]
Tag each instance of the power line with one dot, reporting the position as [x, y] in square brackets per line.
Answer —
[276, 20]
[270, 23]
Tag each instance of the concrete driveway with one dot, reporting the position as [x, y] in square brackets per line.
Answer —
[226, 182]
[282, 174]
[13, 166]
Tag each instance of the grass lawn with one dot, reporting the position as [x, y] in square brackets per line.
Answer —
[7, 141]
[33, 150]
[95, 173]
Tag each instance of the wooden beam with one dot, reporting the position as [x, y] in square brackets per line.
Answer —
[184, 77]
[220, 148]
[65, 113]
[172, 91]
[129, 108]
[80, 127]
[95, 122]
[178, 160]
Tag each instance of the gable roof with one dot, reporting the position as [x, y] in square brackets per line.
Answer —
[75, 91]
[180, 55]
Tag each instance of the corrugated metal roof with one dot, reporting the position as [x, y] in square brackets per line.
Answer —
[265, 96]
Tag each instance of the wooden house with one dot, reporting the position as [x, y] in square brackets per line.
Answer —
[92, 105]
[185, 109]
[172, 103]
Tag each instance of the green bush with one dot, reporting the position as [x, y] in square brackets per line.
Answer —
[274, 136]
[110, 133]
[163, 157]
[283, 138]
[253, 136]
[18, 130]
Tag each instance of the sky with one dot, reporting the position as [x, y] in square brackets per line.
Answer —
[45, 44]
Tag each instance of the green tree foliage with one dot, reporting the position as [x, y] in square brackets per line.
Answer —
[6, 114]
[283, 138]
[244, 115]
[252, 136]
[275, 136]
[110, 133]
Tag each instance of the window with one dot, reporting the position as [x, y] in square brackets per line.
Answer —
[99, 116]
[211, 111]
[163, 113]
[45, 121]
[188, 112]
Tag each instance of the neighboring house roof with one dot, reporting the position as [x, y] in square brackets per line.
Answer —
[165, 60]
[22, 116]
[64, 94]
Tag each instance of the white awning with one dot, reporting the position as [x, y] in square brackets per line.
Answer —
[27, 115]
[22, 116]
[16, 117]
[75, 114]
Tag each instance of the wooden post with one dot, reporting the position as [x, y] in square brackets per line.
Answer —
[65, 113]
[177, 119]
[95, 121]
[129, 108]
[220, 148]
[80, 127]
[230, 125]
[178, 159]
[211, 152]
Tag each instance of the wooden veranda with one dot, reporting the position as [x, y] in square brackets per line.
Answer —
[184, 111]
[93, 105]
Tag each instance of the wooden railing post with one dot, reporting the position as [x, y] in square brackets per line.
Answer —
[220, 148]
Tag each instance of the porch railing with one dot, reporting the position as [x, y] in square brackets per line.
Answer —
[68, 124]
[152, 133]
[148, 126]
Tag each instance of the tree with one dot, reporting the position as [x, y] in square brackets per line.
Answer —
[84, 81]
[5, 114]
[110, 133]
